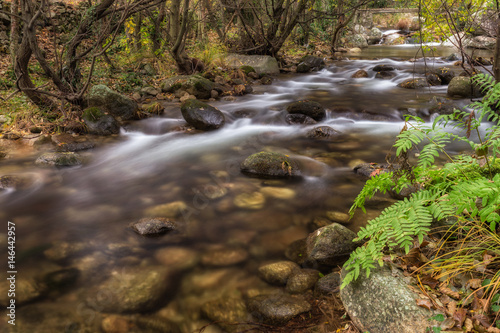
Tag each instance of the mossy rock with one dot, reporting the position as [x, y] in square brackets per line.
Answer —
[153, 108]
[201, 115]
[195, 85]
[270, 165]
[112, 102]
[247, 69]
[461, 86]
[100, 123]
[59, 159]
[414, 83]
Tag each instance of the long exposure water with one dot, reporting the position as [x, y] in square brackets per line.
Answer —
[72, 225]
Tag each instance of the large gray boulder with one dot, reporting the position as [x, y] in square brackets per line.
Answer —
[330, 245]
[201, 115]
[384, 303]
[195, 85]
[261, 63]
[482, 42]
[112, 102]
[461, 86]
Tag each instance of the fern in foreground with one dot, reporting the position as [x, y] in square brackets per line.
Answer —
[468, 186]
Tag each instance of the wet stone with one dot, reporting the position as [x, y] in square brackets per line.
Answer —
[299, 119]
[132, 289]
[309, 108]
[65, 250]
[297, 251]
[328, 285]
[278, 272]
[360, 74]
[277, 309]
[322, 132]
[302, 280]
[318, 222]
[338, 217]
[69, 143]
[385, 75]
[224, 256]
[26, 290]
[59, 159]
[383, 68]
[177, 258]
[270, 165]
[14, 182]
[61, 278]
[226, 312]
[255, 200]
[172, 209]
[153, 226]
[278, 192]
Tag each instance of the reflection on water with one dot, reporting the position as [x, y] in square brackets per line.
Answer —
[78, 259]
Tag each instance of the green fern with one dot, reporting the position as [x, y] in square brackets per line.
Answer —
[462, 188]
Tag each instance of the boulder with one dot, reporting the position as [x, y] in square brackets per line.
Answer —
[112, 102]
[433, 79]
[59, 159]
[445, 74]
[330, 245]
[299, 119]
[322, 133]
[360, 74]
[461, 86]
[268, 164]
[309, 108]
[153, 226]
[226, 312]
[303, 68]
[278, 273]
[131, 289]
[277, 309]
[67, 142]
[482, 42]
[383, 68]
[385, 75]
[357, 41]
[384, 303]
[313, 62]
[247, 69]
[99, 123]
[414, 83]
[195, 85]
[261, 63]
[201, 115]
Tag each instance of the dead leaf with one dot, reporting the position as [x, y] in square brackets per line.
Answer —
[493, 330]
[452, 308]
[447, 324]
[482, 319]
[460, 316]
[449, 292]
[474, 283]
[469, 326]
[487, 259]
[424, 303]
[445, 299]
[430, 281]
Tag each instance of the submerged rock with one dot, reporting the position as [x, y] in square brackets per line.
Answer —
[383, 68]
[322, 132]
[59, 159]
[301, 281]
[67, 142]
[384, 303]
[299, 119]
[224, 256]
[385, 75]
[153, 226]
[133, 289]
[330, 245]
[26, 290]
[360, 74]
[14, 182]
[201, 115]
[277, 309]
[177, 258]
[268, 164]
[309, 108]
[414, 83]
[255, 200]
[227, 312]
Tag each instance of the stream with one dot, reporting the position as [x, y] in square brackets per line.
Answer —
[75, 250]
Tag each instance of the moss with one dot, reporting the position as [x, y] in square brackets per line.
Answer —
[92, 113]
[247, 69]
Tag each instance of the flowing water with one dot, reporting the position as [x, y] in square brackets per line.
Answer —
[79, 217]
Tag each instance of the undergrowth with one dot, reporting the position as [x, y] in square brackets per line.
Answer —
[465, 190]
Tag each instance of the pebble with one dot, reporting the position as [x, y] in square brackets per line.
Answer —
[255, 200]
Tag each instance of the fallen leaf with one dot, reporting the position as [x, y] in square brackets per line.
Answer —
[474, 283]
[468, 325]
[449, 292]
[493, 330]
[447, 324]
[430, 281]
[425, 303]
[452, 308]
[375, 172]
[487, 259]
[460, 316]
[482, 319]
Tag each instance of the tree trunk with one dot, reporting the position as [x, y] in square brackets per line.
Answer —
[496, 61]
[14, 30]
[137, 32]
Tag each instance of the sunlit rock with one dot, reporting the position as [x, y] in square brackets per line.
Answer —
[278, 272]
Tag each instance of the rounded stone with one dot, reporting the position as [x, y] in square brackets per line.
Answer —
[328, 285]
[360, 74]
[177, 258]
[172, 209]
[59, 159]
[278, 272]
[322, 132]
[201, 115]
[278, 192]
[153, 226]
[226, 312]
[269, 165]
[277, 309]
[301, 281]
[224, 256]
[309, 108]
[338, 217]
[255, 200]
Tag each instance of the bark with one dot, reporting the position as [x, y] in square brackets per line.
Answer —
[14, 30]
[496, 60]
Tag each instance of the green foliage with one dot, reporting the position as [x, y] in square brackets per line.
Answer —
[467, 187]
